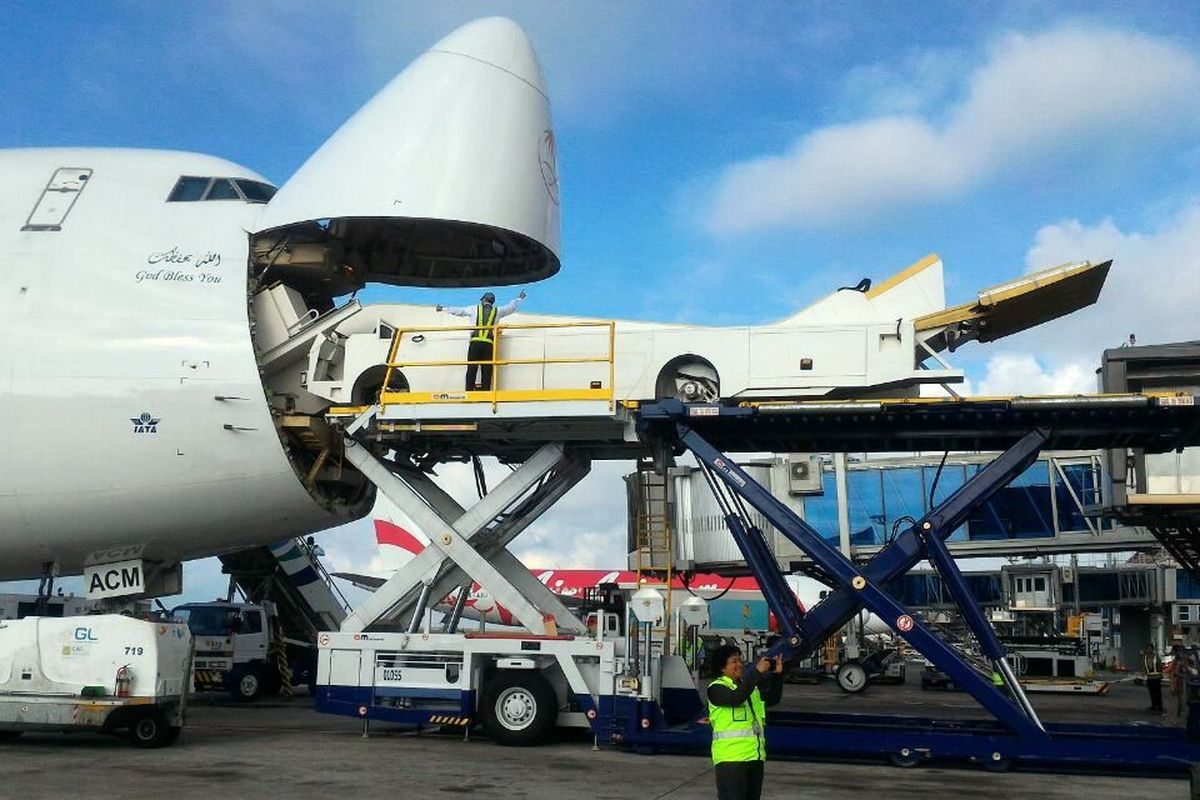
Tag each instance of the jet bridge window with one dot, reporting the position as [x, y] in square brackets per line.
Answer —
[190, 188]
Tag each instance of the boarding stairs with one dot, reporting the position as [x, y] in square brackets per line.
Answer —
[290, 575]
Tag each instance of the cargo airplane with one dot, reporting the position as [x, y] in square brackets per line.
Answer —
[179, 331]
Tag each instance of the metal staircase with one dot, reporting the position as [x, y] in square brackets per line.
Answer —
[290, 575]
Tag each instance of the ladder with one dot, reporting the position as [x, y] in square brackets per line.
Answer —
[654, 551]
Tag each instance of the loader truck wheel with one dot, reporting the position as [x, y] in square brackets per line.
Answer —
[9, 736]
[247, 685]
[151, 730]
[519, 708]
[851, 677]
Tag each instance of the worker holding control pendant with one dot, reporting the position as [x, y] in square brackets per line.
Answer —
[483, 338]
[737, 710]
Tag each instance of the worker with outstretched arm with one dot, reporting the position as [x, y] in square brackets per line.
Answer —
[483, 338]
[737, 711]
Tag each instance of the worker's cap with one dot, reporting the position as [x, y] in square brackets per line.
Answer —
[488, 297]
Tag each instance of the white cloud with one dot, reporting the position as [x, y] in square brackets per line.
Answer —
[1151, 289]
[1034, 96]
[1021, 373]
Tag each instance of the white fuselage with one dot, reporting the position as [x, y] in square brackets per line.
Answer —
[133, 306]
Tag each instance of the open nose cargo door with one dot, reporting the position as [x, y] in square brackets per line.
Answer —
[448, 177]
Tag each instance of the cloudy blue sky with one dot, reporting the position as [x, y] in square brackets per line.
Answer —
[720, 162]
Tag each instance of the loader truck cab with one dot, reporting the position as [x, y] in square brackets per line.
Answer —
[237, 648]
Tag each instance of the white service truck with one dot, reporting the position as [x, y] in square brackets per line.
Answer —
[105, 673]
[236, 649]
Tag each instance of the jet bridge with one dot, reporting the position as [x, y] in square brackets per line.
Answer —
[631, 690]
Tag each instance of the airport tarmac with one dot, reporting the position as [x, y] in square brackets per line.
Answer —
[283, 749]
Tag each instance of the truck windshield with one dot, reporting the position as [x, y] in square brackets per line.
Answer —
[207, 620]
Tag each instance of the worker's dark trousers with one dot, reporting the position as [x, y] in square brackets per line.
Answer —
[479, 351]
[739, 780]
[1154, 685]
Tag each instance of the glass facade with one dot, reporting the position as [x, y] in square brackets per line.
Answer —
[1187, 584]
[927, 590]
[883, 500]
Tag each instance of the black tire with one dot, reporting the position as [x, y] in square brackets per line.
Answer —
[905, 758]
[9, 736]
[247, 685]
[695, 371]
[852, 677]
[150, 730]
[519, 708]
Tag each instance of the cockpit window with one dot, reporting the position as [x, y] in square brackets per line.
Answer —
[256, 191]
[193, 188]
[222, 189]
[188, 189]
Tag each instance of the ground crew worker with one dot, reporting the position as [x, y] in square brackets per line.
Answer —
[1152, 667]
[1181, 673]
[737, 710]
[483, 338]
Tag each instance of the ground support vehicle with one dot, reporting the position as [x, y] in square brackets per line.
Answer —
[105, 673]
[240, 648]
[882, 666]
[1016, 734]
[647, 699]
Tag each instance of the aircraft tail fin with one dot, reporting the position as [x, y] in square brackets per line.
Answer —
[914, 291]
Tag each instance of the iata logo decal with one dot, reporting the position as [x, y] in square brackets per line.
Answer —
[145, 423]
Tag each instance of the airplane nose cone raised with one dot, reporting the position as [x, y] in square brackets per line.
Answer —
[447, 177]
[500, 42]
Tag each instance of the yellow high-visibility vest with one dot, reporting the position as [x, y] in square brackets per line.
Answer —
[1152, 665]
[739, 734]
[483, 333]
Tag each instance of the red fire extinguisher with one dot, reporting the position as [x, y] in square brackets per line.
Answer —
[124, 681]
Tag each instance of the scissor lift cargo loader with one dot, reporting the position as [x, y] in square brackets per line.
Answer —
[600, 683]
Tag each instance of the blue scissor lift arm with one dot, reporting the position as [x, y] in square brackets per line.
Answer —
[1020, 733]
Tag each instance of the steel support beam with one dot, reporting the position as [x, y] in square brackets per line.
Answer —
[863, 587]
[471, 543]
[492, 542]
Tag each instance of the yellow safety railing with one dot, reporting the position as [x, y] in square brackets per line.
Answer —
[496, 395]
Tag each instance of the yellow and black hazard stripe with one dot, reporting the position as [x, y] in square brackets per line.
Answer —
[209, 677]
[442, 719]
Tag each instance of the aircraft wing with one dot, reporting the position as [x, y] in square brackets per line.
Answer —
[1015, 306]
